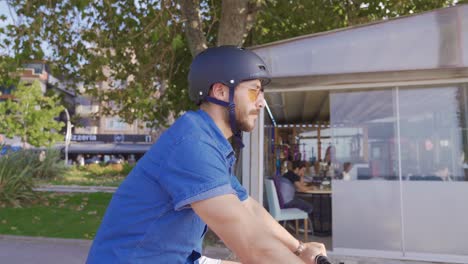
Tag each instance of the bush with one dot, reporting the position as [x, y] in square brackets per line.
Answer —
[127, 168]
[50, 167]
[16, 183]
[100, 170]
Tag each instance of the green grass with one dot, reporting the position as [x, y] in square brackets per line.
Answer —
[56, 215]
[75, 176]
[62, 215]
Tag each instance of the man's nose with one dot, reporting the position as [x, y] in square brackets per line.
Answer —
[261, 100]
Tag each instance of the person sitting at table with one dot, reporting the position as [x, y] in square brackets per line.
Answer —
[345, 175]
[296, 176]
[291, 182]
[441, 173]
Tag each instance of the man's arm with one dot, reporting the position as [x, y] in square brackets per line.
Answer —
[301, 187]
[281, 234]
[251, 239]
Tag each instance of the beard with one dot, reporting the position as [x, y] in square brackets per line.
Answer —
[244, 125]
[243, 121]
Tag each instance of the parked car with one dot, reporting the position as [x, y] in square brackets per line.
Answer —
[93, 160]
[115, 160]
[8, 148]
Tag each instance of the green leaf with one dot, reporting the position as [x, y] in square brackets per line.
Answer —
[177, 42]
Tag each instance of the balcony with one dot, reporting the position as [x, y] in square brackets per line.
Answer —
[86, 130]
[85, 110]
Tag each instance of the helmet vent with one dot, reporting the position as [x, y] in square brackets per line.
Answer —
[262, 67]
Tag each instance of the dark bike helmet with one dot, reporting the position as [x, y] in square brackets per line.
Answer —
[229, 65]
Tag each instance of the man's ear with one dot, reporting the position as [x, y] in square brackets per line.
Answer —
[220, 92]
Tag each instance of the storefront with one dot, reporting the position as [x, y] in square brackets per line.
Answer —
[391, 100]
[103, 147]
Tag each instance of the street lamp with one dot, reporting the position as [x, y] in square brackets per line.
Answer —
[67, 136]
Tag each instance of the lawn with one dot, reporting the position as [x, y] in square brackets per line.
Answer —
[63, 215]
[56, 215]
[90, 175]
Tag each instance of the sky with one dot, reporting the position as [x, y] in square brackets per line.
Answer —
[5, 11]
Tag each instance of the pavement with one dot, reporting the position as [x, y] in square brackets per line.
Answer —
[74, 188]
[42, 250]
[22, 250]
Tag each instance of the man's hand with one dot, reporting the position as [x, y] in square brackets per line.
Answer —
[312, 249]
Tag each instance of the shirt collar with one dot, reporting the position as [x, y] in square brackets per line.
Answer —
[216, 133]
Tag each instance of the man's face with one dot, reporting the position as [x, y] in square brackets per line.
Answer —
[300, 171]
[249, 100]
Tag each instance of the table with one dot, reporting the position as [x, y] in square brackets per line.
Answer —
[322, 214]
[318, 191]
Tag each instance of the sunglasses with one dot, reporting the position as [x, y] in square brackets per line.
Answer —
[253, 93]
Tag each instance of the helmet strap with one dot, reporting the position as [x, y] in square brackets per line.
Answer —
[216, 101]
[237, 134]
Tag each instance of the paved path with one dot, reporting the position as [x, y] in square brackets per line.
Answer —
[21, 250]
[75, 188]
[39, 250]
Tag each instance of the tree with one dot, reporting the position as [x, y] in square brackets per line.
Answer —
[284, 19]
[146, 46]
[30, 116]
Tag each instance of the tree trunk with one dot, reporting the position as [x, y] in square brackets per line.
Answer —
[237, 19]
[193, 26]
[24, 142]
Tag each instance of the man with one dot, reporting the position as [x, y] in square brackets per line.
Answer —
[185, 181]
[295, 177]
[345, 175]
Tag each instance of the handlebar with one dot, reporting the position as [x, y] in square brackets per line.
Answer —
[321, 259]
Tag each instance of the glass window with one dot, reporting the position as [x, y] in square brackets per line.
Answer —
[433, 133]
[433, 139]
[363, 135]
[37, 67]
[363, 157]
[115, 123]
[418, 134]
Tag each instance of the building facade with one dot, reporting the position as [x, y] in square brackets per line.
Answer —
[391, 99]
[89, 126]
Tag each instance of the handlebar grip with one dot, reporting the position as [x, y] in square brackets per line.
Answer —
[321, 259]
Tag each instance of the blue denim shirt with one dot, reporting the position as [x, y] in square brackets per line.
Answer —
[149, 219]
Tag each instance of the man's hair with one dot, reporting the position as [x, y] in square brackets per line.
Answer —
[347, 166]
[298, 164]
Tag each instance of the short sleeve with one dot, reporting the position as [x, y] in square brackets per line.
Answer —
[292, 177]
[240, 190]
[195, 170]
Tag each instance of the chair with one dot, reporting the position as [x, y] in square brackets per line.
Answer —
[286, 213]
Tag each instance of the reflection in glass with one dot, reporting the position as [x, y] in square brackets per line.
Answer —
[433, 133]
[432, 122]
[365, 202]
[363, 128]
